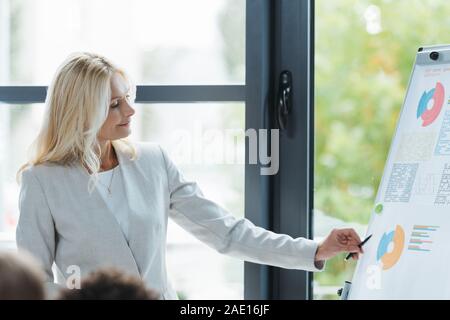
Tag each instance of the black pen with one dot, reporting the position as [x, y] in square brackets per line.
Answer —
[360, 245]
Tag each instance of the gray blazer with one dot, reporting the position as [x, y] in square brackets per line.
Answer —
[61, 223]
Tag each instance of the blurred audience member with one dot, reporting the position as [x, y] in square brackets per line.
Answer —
[110, 284]
[21, 278]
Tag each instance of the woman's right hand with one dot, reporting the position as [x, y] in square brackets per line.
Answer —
[338, 241]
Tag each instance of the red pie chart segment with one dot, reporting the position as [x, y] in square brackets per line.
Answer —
[430, 115]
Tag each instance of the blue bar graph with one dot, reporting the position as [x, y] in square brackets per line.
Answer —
[421, 238]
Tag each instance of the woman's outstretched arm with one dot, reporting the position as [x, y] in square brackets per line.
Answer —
[240, 238]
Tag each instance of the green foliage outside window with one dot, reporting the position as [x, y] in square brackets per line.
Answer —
[365, 52]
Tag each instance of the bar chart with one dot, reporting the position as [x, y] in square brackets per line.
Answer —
[422, 238]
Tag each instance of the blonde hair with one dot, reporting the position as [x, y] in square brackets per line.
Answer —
[77, 105]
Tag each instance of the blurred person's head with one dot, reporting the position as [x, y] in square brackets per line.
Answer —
[20, 277]
[110, 284]
[88, 103]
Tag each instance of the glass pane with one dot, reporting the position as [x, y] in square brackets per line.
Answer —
[207, 143]
[18, 127]
[156, 41]
[374, 51]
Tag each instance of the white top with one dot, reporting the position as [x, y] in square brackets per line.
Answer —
[116, 201]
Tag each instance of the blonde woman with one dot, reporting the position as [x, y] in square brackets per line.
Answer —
[91, 199]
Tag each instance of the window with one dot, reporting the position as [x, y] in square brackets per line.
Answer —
[159, 42]
[361, 81]
[20, 124]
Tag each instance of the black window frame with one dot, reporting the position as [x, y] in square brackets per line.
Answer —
[280, 36]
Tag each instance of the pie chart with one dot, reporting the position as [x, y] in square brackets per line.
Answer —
[394, 239]
[429, 115]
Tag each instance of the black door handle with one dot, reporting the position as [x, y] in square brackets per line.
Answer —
[284, 99]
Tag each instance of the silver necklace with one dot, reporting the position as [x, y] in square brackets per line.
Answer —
[110, 182]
